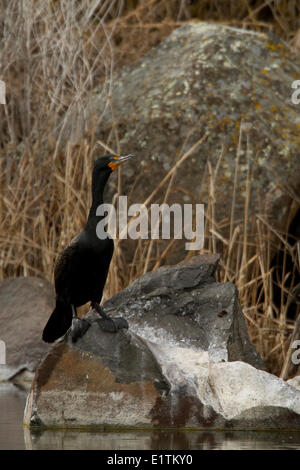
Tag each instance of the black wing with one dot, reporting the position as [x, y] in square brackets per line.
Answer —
[64, 265]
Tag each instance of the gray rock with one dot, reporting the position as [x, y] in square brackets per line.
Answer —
[178, 365]
[185, 306]
[105, 378]
[207, 78]
[20, 376]
[119, 379]
[25, 305]
[295, 382]
[234, 394]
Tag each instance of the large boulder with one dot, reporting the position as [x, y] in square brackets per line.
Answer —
[295, 382]
[108, 379]
[186, 361]
[207, 78]
[105, 378]
[185, 306]
[25, 305]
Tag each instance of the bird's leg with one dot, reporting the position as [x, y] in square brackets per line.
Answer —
[74, 313]
[79, 325]
[108, 323]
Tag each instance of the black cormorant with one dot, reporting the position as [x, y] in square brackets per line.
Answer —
[81, 269]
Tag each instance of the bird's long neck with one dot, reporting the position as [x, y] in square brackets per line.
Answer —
[98, 185]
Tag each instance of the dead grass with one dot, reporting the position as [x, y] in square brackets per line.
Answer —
[52, 57]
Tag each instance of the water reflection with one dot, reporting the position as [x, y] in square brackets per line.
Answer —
[12, 403]
[14, 436]
[162, 440]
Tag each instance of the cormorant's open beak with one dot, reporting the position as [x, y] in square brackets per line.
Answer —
[117, 161]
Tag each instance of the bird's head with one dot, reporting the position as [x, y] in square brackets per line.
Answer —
[110, 162]
[103, 167]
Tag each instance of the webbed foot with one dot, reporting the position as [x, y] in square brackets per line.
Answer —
[112, 325]
[108, 323]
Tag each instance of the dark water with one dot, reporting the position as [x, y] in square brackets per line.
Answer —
[14, 436]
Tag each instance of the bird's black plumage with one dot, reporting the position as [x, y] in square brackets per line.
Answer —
[81, 269]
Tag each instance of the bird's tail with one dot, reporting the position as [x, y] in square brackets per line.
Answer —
[58, 323]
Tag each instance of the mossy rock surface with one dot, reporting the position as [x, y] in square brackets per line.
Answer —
[207, 78]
